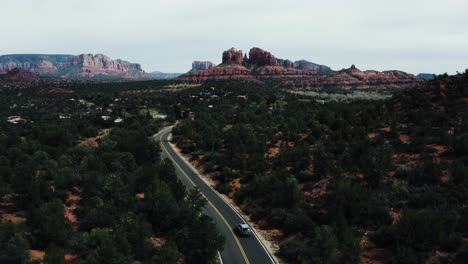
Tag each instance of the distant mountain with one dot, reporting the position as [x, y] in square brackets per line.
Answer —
[202, 65]
[310, 66]
[302, 74]
[164, 75]
[353, 78]
[426, 76]
[84, 66]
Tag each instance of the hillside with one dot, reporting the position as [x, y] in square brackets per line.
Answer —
[84, 66]
[340, 182]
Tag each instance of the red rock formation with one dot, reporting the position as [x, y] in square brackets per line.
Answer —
[202, 65]
[17, 74]
[353, 78]
[259, 57]
[233, 56]
[222, 72]
[74, 67]
[278, 72]
[263, 65]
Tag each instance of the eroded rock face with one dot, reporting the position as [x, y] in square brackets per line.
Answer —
[259, 57]
[18, 74]
[353, 78]
[222, 72]
[278, 72]
[261, 64]
[310, 66]
[233, 57]
[286, 63]
[83, 66]
[201, 66]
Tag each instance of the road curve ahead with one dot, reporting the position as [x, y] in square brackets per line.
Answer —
[237, 250]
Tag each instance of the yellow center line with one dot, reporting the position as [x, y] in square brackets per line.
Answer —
[212, 205]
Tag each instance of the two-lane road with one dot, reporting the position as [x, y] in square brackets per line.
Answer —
[247, 250]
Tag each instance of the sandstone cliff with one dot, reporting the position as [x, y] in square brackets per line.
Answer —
[260, 64]
[84, 66]
[232, 57]
[202, 65]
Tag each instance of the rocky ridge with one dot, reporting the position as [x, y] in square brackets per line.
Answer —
[235, 64]
[84, 66]
[202, 65]
[353, 78]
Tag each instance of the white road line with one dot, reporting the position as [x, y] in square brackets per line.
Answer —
[220, 258]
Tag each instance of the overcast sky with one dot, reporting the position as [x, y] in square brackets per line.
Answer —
[410, 35]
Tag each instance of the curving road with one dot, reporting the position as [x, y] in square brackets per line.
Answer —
[247, 250]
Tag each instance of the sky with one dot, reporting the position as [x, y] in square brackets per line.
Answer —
[414, 36]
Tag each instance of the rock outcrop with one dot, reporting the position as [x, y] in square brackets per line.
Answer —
[84, 66]
[202, 66]
[310, 66]
[259, 65]
[286, 63]
[259, 57]
[222, 72]
[353, 78]
[233, 57]
[262, 65]
[18, 74]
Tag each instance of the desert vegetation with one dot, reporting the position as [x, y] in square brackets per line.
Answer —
[345, 181]
[76, 187]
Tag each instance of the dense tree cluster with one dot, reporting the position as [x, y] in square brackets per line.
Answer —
[326, 173]
[130, 206]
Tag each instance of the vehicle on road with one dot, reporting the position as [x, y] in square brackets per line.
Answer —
[243, 230]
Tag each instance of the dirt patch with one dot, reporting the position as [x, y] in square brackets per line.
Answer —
[13, 218]
[386, 129]
[71, 258]
[376, 256]
[439, 150]
[158, 241]
[274, 151]
[445, 177]
[395, 215]
[406, 158]
[235, 186]
[73, 198]
[404, 138]
[36, 255]
[92, 141]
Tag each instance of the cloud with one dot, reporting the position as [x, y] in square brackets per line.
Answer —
[414, 36]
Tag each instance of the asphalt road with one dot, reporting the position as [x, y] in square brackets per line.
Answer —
[236, 249]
